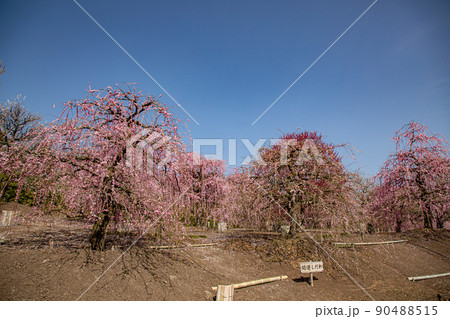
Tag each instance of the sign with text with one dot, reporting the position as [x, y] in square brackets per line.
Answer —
[311, 266]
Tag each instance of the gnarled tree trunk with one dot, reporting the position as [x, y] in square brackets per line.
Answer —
[98, 235]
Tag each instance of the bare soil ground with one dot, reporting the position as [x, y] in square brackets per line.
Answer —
[32, 270]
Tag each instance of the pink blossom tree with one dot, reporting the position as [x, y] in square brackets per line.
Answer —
[243, 203]
[79, 161]
[305, 180]
[207, 180]
[413, 186]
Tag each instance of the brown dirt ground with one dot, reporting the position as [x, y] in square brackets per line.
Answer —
[31, 270]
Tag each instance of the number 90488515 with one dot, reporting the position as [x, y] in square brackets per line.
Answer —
[406, 310]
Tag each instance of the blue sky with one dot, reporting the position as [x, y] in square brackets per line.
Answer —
[227, 61]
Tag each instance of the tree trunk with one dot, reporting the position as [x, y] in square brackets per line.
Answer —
[294, 221]
[5, 187]
[398, 227]
[293, 228]
[439, 223]
[428, 217]
[98, 235]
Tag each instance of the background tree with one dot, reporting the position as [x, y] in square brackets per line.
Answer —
[413, 186]
[244, 204]
[207, 179]
[16, 122]
[306, 177]
[2, 68]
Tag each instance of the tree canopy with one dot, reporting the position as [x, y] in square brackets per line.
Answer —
[413, 186]
[117, 156]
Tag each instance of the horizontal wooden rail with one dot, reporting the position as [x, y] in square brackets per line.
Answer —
[428, 276]
[187, 246]
[349, 245]
[256, 282]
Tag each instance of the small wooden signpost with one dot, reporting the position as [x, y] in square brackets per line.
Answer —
[222, 227]
[285, 230]
[311, 267]
[362, 230]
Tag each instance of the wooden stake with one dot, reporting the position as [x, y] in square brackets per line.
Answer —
[7, 217]
[362, 229]
[225, 293]
[311, 280]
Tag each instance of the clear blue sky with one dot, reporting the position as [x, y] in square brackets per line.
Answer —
[227, 61]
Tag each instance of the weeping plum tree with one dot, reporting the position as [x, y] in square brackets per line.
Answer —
[243, 203]
[306, 179]
[413, 186]
[80, 159]
[361, 190]
[207, 180]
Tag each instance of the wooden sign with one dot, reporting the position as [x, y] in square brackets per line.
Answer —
[311, 267]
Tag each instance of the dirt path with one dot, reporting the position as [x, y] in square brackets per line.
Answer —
[33, 271]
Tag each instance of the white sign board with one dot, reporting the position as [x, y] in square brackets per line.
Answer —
[311, 266]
